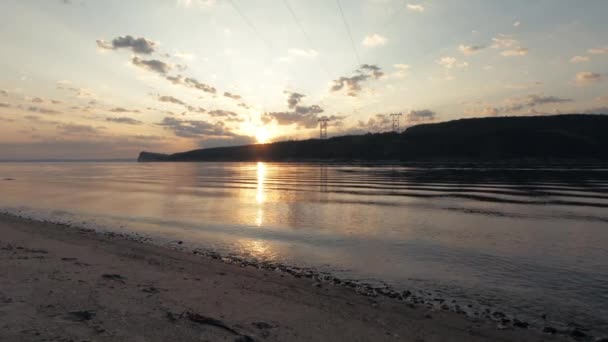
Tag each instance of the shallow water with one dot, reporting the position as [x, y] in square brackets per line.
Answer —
[527, 242]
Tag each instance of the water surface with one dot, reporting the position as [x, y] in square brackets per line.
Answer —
[529, 241]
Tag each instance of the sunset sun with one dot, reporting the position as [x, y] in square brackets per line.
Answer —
[262, 135]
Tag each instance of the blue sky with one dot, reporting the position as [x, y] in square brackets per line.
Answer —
[107, 79]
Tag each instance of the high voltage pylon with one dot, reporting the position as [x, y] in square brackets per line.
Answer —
[323, 128]
[396, 117]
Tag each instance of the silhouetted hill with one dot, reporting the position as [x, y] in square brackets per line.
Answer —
[572, 136]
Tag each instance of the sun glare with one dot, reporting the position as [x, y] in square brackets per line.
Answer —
[262, 135]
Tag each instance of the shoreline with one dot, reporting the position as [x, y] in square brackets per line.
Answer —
[193, 295]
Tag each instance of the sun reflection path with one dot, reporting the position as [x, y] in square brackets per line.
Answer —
[260, 196]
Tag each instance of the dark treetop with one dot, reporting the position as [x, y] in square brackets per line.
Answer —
[572, 136]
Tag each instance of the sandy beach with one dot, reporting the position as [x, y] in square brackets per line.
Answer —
[61, 283]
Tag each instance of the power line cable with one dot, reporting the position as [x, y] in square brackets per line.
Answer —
[352, 41]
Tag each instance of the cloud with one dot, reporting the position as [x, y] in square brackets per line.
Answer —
[184, 55]
[503, 41]
[510, 45]
[137, 45]
[535, 100]
[222, 113]
[515, 53]
[586, 78]
[415, 8]
[171, 99]
[3, 92]
[56, 102]
[596, 110]
[123, 110]
[71, 128]
[377, 123]
[513, 105]
[527, 85]
[300, 115]
[372, 40]
[420, 115]
[451, 62]
[230, 141]
[598, 51]
[232, 96]
[294, 99]
[195, 128]
[154, 65]
[37, 100]
[4, 105]
[602, 99]
[579, 59]
[516, 24]
[353, 84]
[124, 120]
[470, 50]
[191, 83]
[41, 110]
[196, 109]
[402, 70]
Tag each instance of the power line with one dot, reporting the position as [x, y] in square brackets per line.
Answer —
[352, 42]
[306, 36]
[250, 24]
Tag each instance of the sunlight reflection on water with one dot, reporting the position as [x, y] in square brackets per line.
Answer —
[509, 237]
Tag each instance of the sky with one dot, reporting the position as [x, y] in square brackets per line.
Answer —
[92, 79]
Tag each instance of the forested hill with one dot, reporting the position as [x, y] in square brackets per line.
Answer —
[569, 136]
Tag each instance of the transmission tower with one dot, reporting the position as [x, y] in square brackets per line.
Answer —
[323, 128]
[396, 117]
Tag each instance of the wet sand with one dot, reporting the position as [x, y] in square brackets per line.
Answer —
[61, 283]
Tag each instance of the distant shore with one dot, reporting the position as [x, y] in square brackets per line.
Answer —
[66, 283]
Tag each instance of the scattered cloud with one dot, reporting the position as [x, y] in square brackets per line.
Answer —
[137, 45]
[420, 115]
[598, 51]
[154, 65]
[353, 83]
[37, 100]
[195, 128]
[301, 116]
[602, 99]
[515, 53]
[503, 41]
[415, 8]
[124, 120]
[372, 40]
[3, 92]
[510, 45]
[527, 85]
[579, 59]
[232, 96]
[71, 128]
[191, 83]
[596, 110]
[451, 62]
[513, 105]
[293, 99]
[123, 110]
[222, 113]
[4, 105]
[171, 99]
[183, 55]
[584, 78]
[470, 50]
[516, 24]
[41, 110]
[402, 70]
